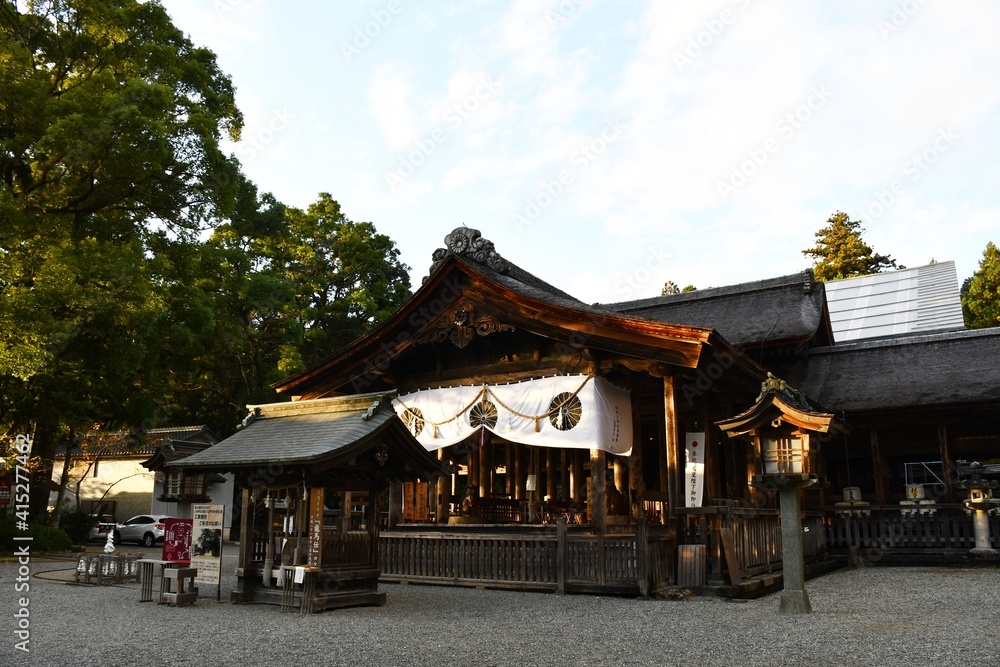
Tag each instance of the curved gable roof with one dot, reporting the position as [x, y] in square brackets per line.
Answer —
[473, 276]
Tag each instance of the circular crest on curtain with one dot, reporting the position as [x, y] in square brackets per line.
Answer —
[414, 420]
[483, 413]
[566, 411]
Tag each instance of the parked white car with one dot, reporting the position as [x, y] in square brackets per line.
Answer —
[144, 529]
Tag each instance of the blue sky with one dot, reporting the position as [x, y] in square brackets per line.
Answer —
[610, 146]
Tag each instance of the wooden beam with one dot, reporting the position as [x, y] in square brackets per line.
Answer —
[395, 504]
[246, 529]
[878, 469]
[578, 494]
[947, 467]
[443, 492]
[713, 458]
[564, 476]
[672, 446]
[550, 473]
[636, 483]
[598, 503]
[486, 466]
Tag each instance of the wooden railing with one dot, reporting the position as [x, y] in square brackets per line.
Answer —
[555, 557]
[346, 549]
[891, 528]
[747, 539]
[339, 548]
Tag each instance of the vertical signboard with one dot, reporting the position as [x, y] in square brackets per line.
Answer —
[316, 527]
[206, 542]
[177, 540]
[694, 470]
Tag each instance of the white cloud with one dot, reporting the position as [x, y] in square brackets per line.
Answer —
[390, 105]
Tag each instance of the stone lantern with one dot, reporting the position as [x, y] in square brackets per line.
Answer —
[980, 502]
[782, 424]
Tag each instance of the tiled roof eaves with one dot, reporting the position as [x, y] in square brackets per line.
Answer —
[798, 280]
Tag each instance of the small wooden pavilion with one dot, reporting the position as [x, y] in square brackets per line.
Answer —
[313, 475]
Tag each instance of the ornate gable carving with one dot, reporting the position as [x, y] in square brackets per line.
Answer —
[460, 325]
[466, 242]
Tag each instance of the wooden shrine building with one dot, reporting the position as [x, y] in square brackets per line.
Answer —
[538, 442]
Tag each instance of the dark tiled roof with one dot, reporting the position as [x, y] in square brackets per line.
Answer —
[954, 368]
[297, 432]
[125, 444]
[788, 308]
[325, 432]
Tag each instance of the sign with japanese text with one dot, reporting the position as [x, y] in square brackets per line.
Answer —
[694, 470]
[206, 542]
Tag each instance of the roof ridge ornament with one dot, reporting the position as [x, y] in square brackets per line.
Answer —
[468, 242]
[775, 385]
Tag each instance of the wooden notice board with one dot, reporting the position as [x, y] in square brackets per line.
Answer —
[316, 527]
[415, 506]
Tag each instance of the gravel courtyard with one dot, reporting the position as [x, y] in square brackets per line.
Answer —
[872, 616]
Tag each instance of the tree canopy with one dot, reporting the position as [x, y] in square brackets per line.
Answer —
[981, 292]
[670, 287]
[143, 279]
[840, 251]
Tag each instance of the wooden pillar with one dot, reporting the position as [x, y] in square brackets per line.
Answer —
[509, 473]
[673, 450]
[521, 467]
[713, 460]
[373, 527]
[564, 476]
[550, 473]
[879, 469]
[636, 483]
[577, 493]
[395, 504]
[597, 507]
[246, 530]
[443, 492]
[345, 511]
[621, 475]
[947, 467]
[473, 479]
[486, 467]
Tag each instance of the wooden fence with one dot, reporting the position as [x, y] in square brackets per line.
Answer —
[559, 557]
[890, 529]
[745, 542]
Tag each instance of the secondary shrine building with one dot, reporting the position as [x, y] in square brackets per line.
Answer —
[497, 431]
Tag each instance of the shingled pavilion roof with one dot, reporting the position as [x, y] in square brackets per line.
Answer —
[785, 310]
[919, 371]
[324, 433]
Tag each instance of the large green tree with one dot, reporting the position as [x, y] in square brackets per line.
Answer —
[981, 292]
[273, 290]
[840, 252]
[110, 124]
[347, 277]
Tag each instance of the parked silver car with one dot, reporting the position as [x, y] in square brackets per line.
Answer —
[145, 529]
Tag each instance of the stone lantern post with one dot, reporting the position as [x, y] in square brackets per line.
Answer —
[980, 502]
[782, 423]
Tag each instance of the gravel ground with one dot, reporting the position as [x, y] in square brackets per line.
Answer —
[873, 616]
